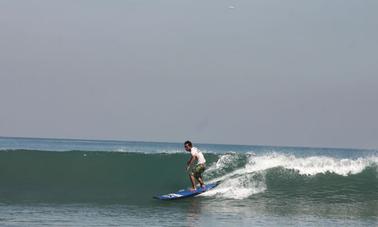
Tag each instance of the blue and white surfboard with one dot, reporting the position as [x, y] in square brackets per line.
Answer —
[185, 193]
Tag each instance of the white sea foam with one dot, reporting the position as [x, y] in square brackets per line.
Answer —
[242, 183]
[239, 187]
[223, 161]
[310, 165]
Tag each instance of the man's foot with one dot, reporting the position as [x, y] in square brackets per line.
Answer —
[192, 189]
[203, 187]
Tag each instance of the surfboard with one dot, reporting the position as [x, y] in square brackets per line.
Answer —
[185, 193]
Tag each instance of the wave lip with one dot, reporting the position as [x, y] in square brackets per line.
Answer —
[259, 174]
[311, 165]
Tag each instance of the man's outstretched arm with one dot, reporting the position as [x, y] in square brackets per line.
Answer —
[189, 162]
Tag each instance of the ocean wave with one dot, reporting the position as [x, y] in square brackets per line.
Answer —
[250, 178]
[126, 177]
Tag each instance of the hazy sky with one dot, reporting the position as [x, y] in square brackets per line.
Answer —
[298, 73]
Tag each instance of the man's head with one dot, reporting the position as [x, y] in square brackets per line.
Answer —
[188, 145]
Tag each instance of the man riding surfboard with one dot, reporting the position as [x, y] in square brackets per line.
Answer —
[199, 168]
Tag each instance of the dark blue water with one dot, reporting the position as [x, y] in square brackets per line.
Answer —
[100, 183]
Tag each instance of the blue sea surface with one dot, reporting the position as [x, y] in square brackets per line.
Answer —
[65, 182]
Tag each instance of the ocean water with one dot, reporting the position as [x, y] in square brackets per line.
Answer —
[60, 182]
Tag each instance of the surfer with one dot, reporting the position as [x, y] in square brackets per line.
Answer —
[199, 168]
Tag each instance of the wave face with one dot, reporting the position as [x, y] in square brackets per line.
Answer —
[283, 175]
[132, 177]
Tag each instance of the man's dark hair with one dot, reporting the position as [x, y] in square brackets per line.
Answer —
[188, 143]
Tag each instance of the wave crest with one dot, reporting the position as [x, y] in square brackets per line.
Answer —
[250, 178]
